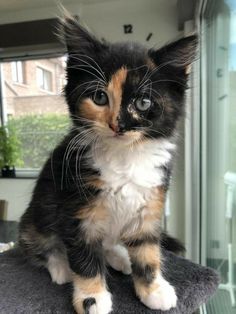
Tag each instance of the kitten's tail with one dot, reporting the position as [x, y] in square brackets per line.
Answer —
[171, 244]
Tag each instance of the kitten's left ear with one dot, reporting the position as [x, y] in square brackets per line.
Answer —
[179, 54]
[77, 38]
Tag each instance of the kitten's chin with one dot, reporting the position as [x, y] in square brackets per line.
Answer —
[125, 139]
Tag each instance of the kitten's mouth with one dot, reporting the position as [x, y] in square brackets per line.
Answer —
[126, 137]
[119, 134]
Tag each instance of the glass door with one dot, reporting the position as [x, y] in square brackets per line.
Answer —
[219, 150]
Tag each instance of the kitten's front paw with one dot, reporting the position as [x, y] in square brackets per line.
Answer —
[99, 303]
[162, 298]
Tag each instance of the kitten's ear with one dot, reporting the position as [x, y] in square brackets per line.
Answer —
[78, 39]
[179, 54]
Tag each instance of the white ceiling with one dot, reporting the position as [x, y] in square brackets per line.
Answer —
[19, 5]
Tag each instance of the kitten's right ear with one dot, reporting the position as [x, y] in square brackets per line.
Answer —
[179, 54]
[78, 39]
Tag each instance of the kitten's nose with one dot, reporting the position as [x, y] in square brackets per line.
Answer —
[114, 127]
[117, 128]
[121, 127]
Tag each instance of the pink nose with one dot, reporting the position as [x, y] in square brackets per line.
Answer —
[114, 127]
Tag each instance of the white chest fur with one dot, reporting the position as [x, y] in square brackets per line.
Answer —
[129, 176]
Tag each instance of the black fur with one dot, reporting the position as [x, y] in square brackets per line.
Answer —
[146, 273]
[170, 80]
[50, 224]
[171, 244]
[150, 239]
[87, 304]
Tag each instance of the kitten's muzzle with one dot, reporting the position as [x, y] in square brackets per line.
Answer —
[119, 129]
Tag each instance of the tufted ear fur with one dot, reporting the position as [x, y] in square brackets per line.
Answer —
[78, 39]
[179, 54]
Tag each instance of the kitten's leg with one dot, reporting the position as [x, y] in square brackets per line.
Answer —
[91, 296]
[152, 289]
[87, 262]
[59, 269]
[118, 258]
[45, 250]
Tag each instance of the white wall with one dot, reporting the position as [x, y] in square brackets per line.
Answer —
[107, 18]
[17, 192]
[149, 16]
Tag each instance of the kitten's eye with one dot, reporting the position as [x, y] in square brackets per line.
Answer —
[100, 98]
[143, 104]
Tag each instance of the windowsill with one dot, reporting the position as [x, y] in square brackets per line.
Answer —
[25, 174]
[46, 91]
[20, 84]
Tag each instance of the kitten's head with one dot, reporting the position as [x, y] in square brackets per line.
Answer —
[123, 91]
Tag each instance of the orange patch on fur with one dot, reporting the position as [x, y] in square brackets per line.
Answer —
[84, 288]
[94, 182]
[89, 110]
[106, 114]
[146, 254]
[93, 212]
[115, 91]
[89, 285]
[156, 204]
[152, 215]
[143, 289]
[151, 64]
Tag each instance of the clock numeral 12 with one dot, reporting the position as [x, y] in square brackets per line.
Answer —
[128, 28]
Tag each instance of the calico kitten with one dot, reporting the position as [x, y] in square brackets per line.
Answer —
[100, 196]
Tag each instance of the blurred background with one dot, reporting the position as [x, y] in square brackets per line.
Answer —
[33, 115]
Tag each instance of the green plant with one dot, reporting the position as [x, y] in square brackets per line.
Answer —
[38, 135]
[9, 148]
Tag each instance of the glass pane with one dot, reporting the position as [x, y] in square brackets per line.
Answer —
[47, 80]
[35, 111]
[19, 72]
[14, 71]
[220, 202]
[39, 73]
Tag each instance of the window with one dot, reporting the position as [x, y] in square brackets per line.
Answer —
[44, 79]
[219, 151]
[18, 74]
[39, 119]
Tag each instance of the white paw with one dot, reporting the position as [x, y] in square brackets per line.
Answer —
[163, 298]
[103, 304]
[118, 258]
[59, 270]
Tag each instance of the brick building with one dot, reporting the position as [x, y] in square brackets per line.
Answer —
[34, 86]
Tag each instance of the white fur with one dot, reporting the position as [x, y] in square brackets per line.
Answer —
[103, 303]
[129, 175]
[59, 269]
[163, 298]
[118, 258]
[103, 300]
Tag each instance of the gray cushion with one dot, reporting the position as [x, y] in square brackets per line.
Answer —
[26, 289]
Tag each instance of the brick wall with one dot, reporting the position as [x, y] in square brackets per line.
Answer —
[29, 98]
[38, 105]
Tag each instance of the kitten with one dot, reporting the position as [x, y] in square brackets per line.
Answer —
[100, 196]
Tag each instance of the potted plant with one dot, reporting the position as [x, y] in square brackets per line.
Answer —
[9, 152]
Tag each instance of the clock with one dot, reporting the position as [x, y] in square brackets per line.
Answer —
[128, 29]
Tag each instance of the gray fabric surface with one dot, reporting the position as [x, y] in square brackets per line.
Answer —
[26, 289]
[8, 231]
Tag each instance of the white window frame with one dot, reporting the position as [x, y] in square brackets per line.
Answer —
[22, 173]
[18, 74]
[44, 78]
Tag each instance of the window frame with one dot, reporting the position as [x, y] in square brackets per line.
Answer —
[15, 67]
[44, 71]
[24, 173]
